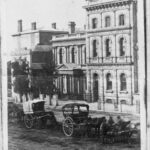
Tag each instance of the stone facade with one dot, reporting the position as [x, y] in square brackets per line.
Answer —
[98, 64]
[69, 52]
[111, 54]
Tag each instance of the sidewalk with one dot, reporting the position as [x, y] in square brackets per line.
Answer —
[93, 111]
[92, 107]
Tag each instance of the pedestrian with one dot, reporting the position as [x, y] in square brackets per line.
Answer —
[111, 121]
[119, 120]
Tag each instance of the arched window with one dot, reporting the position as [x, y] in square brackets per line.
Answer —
[95, 47]
[123, 83]
[121, 20]
[107, 21]
[122, 46]
[109, 81]
[60, 56]
[94, 23]
[108, 47]
[73, 55]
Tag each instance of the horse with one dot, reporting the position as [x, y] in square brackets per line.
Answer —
[95, 123]
[117, 132]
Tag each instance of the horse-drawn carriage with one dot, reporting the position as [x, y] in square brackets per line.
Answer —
[77, 120]
[34, 114]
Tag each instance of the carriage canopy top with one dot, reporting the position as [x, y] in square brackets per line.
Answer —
[72, 105]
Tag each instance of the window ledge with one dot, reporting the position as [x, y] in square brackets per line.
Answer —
[108, 58]
[109, 91]
[123, 92]
[122, 57]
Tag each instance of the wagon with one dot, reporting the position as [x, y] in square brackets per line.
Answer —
[34, 114]
[76, 117]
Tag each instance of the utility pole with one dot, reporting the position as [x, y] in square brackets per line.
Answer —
[1, 137]
[144, 65]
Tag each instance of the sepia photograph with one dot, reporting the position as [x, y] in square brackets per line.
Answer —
[74, 75]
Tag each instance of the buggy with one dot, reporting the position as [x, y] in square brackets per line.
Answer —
[34, 114]
[77, 119]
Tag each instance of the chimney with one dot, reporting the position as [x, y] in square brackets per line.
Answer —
[71, 26]
[19, 25]
[54, 25]
[33, 26]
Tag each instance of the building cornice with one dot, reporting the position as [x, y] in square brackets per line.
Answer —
[39, 31]
[107, 5]
[110, 64]
[68, 39]
[109, 29]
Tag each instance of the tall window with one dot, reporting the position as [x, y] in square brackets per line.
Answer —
[121, 46]
[123, 85]
[95, 48]
[107, 21]
[109, 81]
[60, 56]
[84, 55]
[94, 23]
[122, 20]
[108, 47]
[73, 55]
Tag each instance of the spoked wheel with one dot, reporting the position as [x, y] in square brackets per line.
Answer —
[68, 126]
[28, 121]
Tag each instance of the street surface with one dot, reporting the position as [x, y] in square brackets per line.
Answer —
[21, 138]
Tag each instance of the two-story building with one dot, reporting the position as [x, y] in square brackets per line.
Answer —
[69, 51]
[34, 47]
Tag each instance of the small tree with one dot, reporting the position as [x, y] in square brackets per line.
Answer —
[21, 77]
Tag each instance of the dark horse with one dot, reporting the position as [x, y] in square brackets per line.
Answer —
[116, 132]
[95, 123]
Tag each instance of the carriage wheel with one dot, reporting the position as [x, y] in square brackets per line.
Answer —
[28, 121]
[68, 127]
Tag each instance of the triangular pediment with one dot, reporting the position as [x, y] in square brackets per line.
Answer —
[67, 67]
[62, 67]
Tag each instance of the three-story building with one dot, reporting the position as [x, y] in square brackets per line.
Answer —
[111, 38]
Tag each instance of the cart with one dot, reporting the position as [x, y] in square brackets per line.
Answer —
[34, 114]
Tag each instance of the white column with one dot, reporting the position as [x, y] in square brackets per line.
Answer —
[142, 51]
[88, 49]
[64, 55]
[58, 55]
[76, 54]
[147, 4]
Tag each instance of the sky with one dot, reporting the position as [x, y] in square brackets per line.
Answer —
[44, 12]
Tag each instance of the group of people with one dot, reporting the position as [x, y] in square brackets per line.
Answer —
[110, 123]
